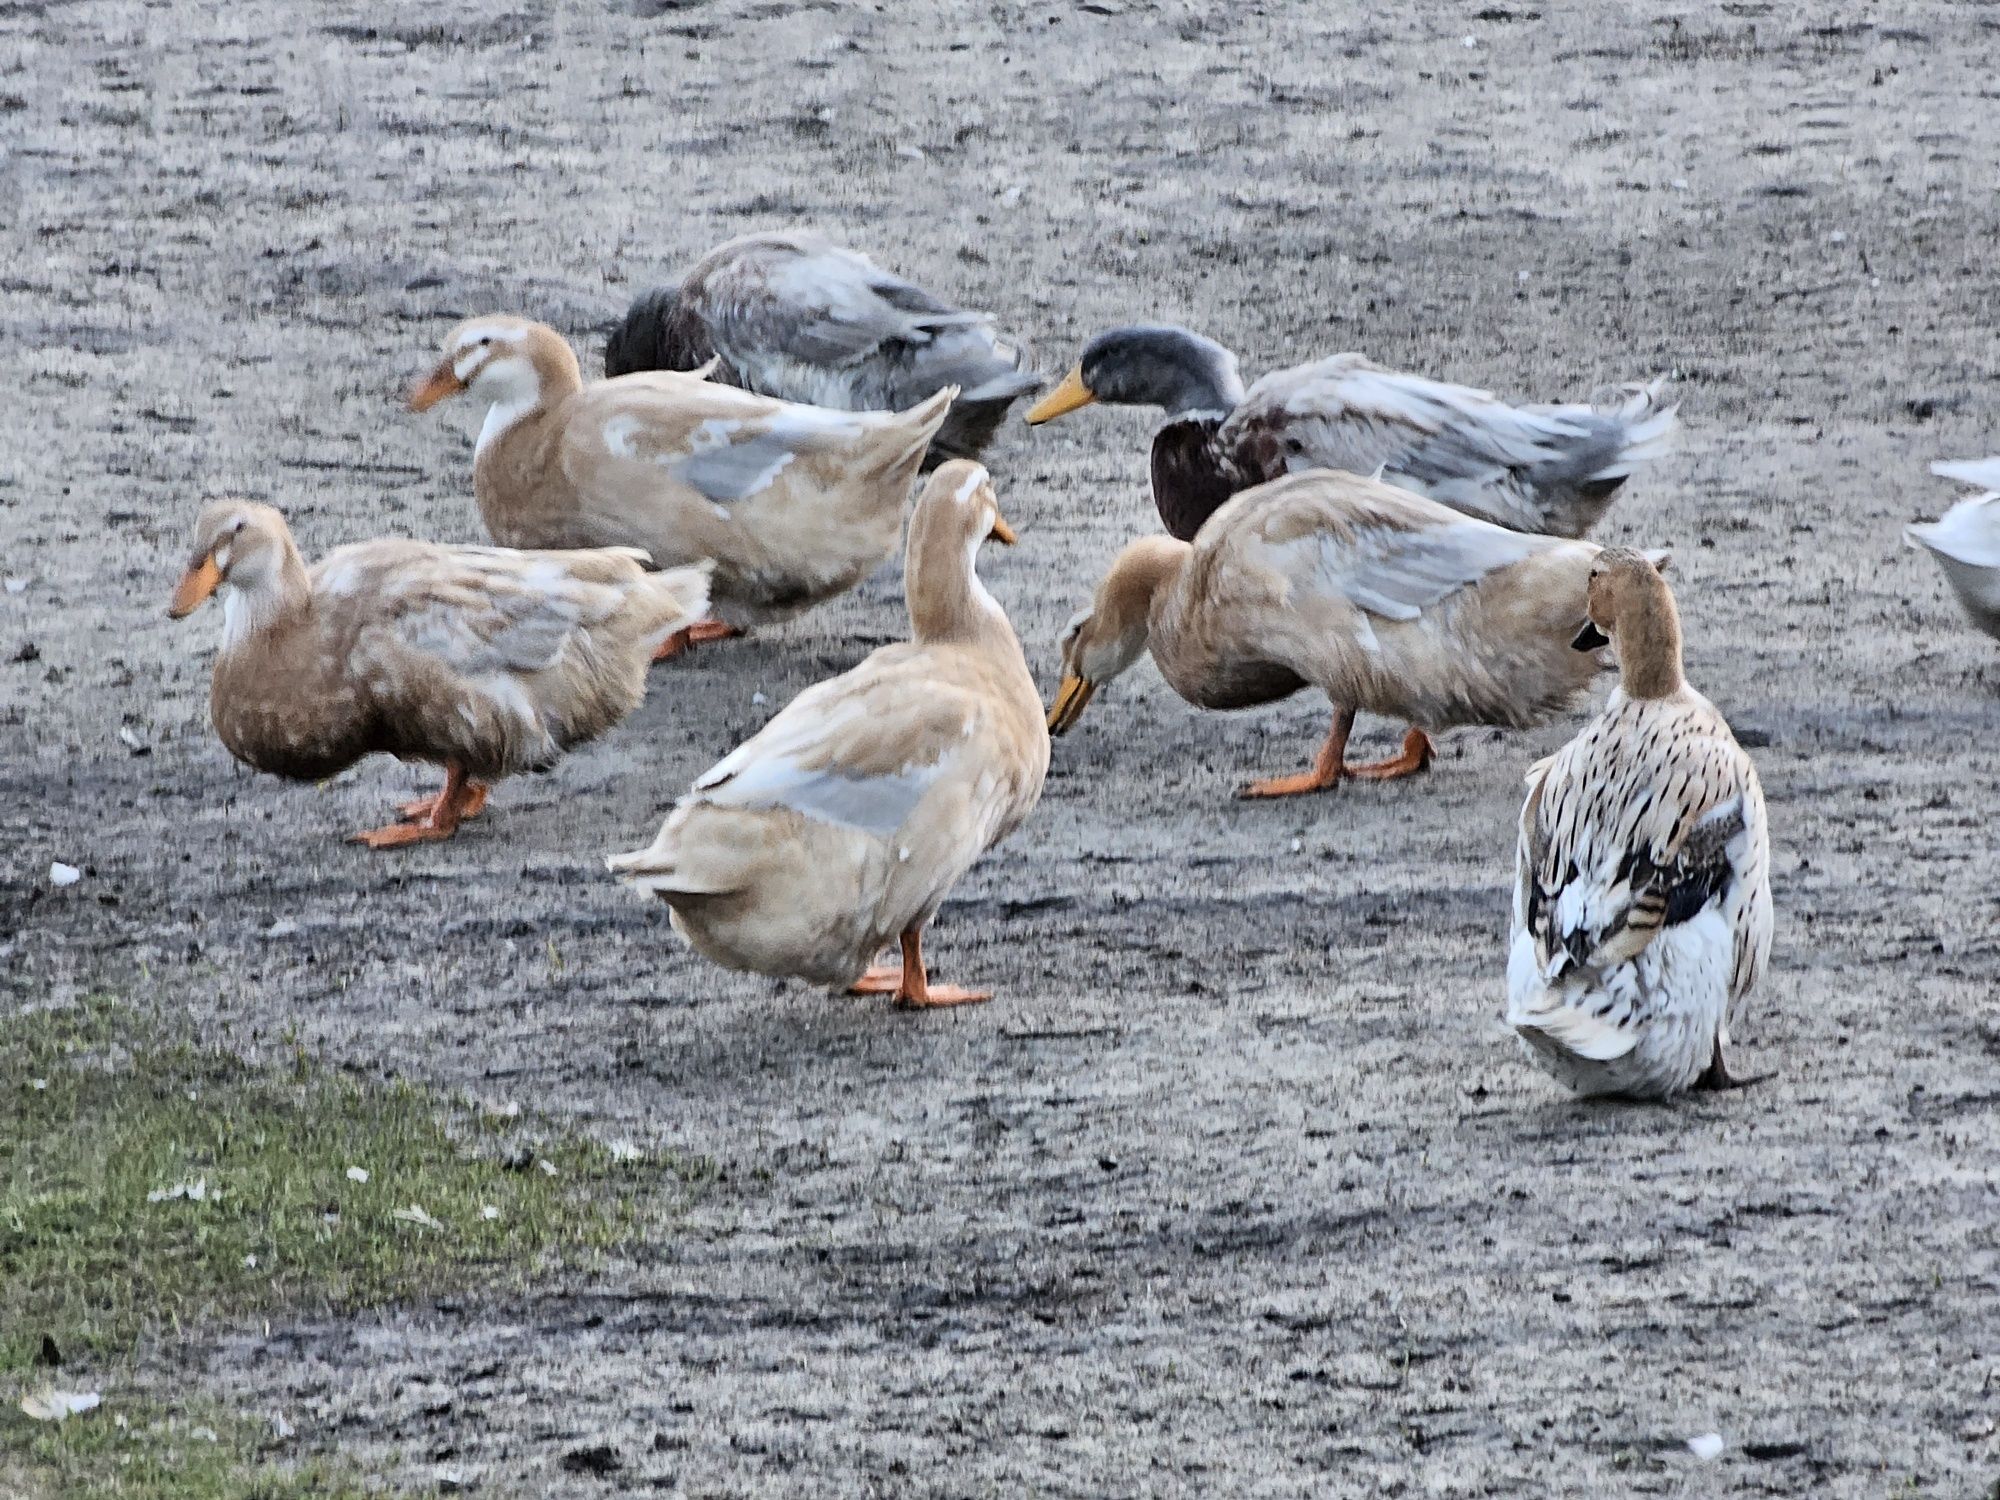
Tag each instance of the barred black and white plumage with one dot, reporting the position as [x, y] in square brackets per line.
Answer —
[794, 316]
[1642, 908]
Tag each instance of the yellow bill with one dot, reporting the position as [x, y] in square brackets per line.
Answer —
[201, 580]
[1001, 531]
[443, 382]
[1071, 700]
[1066, 397]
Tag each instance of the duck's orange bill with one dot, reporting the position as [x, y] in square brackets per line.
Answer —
[1001, 531]
[1071, 700]
[1068, 396]
[443, 382]
[197, 583]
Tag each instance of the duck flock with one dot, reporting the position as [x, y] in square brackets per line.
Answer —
[1411, 548]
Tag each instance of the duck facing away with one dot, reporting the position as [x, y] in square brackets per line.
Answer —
[793, 504]
[477, 659]
[1966, 542]
[1546, 469]
[841, 825]
[792, 315]
[1642, 902]
[1385, 601]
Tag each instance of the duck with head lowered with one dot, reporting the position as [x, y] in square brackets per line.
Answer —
[1546, 469]
[790, 314]
[1387, 602]
[793, 504]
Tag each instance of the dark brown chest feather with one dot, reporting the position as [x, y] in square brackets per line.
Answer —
[1191, 479]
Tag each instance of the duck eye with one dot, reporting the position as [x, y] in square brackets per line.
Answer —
[485, 339]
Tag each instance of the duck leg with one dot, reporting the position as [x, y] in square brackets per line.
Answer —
[694, 635]
[1416, 756]
[425, 807]
[878, 979]
[914, 991]
[440, 821]
[1716, 1076]
[1327, 767]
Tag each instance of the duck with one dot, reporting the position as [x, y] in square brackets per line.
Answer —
[482, 661]
[1966, 542]
[790, 314]
[1546, 469]
[1642, 894]
[1383, 600]
[841, 825]
[792, 504]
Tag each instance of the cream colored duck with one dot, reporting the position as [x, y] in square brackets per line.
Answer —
[1966, 542]
[794, 504]
[480, 660]
[1385, 601]
[1642, 902]
[841, 825]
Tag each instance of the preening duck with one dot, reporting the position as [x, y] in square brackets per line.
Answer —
[1546, 469]
[842, 824]
[483, 661]
[793, 504]
[1385, 601]
[1966, 542]
[792, 315]
[1642, 902]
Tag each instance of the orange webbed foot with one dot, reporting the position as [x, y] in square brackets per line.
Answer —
[1291, 786]
[938, 996]
[694, 635]
[396, 835]
[879, 979]
[1416, 755]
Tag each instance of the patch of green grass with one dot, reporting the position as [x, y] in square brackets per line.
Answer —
[155, 1454]
[147, 1185]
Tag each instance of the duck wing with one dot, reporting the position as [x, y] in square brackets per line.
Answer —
[1547, 469]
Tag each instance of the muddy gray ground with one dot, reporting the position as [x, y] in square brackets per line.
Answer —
[1239, 1187]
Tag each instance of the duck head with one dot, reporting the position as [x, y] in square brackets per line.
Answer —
[511, 364]
[1107, 637]
[1180, 372]
[245, 552]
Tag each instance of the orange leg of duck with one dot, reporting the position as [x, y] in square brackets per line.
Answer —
[1327, 767]
[459, 799]
[910, 984]
[694, 635]
[1416, 756]
[425, 807]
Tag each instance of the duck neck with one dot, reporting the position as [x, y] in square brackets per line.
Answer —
[253, 608]
[941, 586]
[521, 395]
[1190, 479]
[1649, 641]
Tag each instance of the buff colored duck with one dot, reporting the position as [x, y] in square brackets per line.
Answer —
[841, 825]
[1642, 903]
[793, 504]
[1546, 469]
[792, 315]
[483, 661]
[1383, 600]
[1966, 542]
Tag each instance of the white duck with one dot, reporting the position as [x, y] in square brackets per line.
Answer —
[1966, 542]
[841, 825]
[1642, 904]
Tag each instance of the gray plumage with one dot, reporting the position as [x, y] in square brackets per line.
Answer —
[794, 316]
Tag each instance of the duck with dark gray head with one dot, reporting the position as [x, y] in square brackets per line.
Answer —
[1551, 470]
